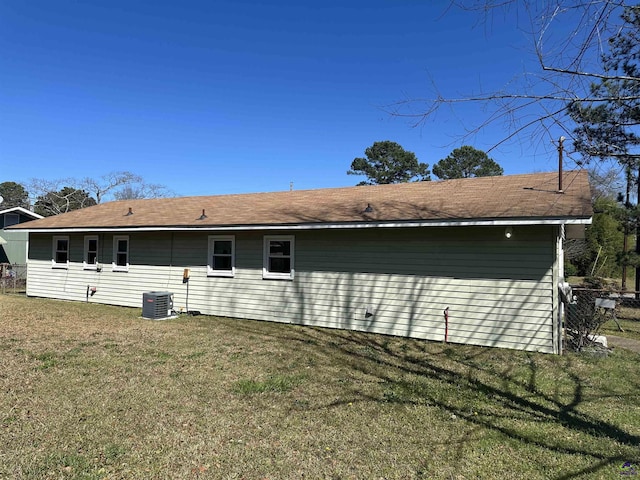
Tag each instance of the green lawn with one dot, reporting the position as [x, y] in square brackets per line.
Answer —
[94, 392]
[629, 319]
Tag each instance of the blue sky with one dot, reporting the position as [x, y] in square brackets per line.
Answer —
[213, 97]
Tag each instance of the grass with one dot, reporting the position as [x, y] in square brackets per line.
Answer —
[629, 320]
[94, 392]
[273, 383]
[631, 328]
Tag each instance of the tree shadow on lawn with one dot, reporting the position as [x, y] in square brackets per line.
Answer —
[478, 386]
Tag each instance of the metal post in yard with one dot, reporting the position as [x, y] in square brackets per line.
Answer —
[637, 242]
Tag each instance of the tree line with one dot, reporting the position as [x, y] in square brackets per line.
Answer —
[387, 162]
[53, 197]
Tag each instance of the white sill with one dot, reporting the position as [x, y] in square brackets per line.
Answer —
[276, 276]
[89, 266]
[221, 273]
[119, 268]
[61, 266]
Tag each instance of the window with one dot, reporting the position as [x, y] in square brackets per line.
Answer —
[278, 257]
[90, 252]
[221, 262]
[120, 254]
[11, 219]
[60, 252]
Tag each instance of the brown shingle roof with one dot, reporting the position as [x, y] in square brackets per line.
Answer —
[530, 196]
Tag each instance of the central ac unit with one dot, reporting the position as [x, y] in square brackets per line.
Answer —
[157, 305]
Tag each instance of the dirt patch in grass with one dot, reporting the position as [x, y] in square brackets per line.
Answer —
[92, 391]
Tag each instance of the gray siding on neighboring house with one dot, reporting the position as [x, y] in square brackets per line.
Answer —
[500, 292]
[15, 250]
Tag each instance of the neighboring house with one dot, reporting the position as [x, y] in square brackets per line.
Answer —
[387, 258]
[13, 244]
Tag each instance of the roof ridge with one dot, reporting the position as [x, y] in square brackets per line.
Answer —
[349, 188]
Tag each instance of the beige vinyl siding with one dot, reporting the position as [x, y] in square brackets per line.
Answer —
[395, 281]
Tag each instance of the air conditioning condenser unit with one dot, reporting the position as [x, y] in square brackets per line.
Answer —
[157, 305]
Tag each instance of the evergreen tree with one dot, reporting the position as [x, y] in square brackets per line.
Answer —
[603, 241]
[14, 195]
[465, 162]
[388, 162]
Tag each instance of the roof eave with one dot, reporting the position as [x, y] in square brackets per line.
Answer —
[582, 220]
[22, 210]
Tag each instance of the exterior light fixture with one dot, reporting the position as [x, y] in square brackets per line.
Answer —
[508, 232]
[369, 208]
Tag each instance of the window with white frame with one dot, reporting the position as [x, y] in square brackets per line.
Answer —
[90, 252]
[278, 257]
[60, 252]
[221, 262]
[120, 253]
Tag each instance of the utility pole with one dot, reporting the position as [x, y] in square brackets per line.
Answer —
[637, 242]
[560, 142]
[625, 241]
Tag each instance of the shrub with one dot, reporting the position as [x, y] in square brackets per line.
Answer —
[570, 270]
[583, 319]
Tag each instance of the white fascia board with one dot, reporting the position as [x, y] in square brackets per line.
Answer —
[325, 226]
[22, 210]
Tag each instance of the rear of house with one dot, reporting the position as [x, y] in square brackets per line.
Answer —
[387, 259]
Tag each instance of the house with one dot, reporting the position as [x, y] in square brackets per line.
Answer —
[388, 259]
[13, 244]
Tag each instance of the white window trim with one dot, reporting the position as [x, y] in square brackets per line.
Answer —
[85, 264]
[211, 272]
[266, 274]
[54, 250]
[114, 266]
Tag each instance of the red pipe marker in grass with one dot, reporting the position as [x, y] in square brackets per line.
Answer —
[446, 324]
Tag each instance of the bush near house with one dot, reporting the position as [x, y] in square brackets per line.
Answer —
[599, 253]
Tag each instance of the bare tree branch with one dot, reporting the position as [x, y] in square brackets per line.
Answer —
[101, 186]
[52, 197]
[143, 190]
[568, 40]
[601, 76]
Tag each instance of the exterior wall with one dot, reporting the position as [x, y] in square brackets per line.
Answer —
[500, 292]
[15, 250]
